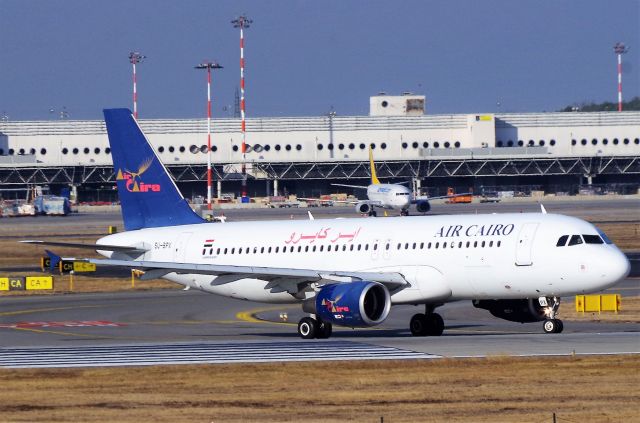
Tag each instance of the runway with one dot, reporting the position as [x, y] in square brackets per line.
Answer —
[175, 326]
[187, 327]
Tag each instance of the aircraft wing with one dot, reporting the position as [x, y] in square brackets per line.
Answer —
[439, 197]
[287, 279]
[120, 248]
[350, 186]
[332, 201]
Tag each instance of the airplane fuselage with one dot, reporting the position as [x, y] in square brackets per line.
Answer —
[390, 196]
[443, 258]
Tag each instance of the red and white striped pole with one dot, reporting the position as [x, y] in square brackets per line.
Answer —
[620, 49]
[208, 66]
[242, 22]
[135, 58]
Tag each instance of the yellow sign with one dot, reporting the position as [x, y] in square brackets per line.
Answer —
[82, 266]
[598, 303]
[4, 284]
[39, 282]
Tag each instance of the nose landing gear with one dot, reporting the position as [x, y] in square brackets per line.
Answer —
[551, 324]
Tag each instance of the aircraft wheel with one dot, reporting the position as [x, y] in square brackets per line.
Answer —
[307, 328]
[324, 330]
[436, 324]
[373, 213]
[404, 213]
[552, 326]
[418, 325]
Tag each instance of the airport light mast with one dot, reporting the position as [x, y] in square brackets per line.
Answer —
[208, 66]
[134, 59]
[242, 22]
[620, 49]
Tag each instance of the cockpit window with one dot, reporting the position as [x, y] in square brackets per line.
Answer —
[402, 193]
[592, 239]
[575, 240]
[604, 237]
[562, 241]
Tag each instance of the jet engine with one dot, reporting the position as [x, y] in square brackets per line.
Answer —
[363, 207]
[423, 206]
[355, 304]
[522, 311]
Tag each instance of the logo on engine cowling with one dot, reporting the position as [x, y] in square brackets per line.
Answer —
[333, 307]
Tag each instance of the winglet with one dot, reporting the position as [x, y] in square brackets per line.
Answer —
[374, 177]
[542, 209]
[310, 215]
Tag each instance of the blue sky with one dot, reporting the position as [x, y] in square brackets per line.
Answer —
[304, 57]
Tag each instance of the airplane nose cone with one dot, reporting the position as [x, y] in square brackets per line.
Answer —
[617, 267]
[623, 266]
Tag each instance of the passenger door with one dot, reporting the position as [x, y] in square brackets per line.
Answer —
[181, 245]
[524, 244]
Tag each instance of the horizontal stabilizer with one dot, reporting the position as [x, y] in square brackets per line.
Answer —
[119, 248]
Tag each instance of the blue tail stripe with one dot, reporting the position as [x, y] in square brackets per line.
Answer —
[148, 196]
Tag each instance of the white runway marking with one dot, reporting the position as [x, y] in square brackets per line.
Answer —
[199, 353]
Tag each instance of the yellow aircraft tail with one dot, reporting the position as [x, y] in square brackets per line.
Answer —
[374, 178]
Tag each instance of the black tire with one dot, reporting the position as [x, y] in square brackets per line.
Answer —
[418, 325]
[324, 330]
[373, 213]
[435, 324]
[550, 326]
[560, 326]
[307, 328]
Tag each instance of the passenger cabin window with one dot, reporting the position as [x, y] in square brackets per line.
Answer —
[562, 241]
[575, 240]
[592, 239]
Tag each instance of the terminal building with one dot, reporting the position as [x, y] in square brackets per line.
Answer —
[304, 155]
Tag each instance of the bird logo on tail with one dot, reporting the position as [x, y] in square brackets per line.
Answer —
[133, 180]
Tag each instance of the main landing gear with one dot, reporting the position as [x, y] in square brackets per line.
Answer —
[404, 212]
[309, 328]
[373, 213]
[427, 324]
[551, 324]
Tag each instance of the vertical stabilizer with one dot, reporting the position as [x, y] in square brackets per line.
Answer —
[148, 196]
[374, 178]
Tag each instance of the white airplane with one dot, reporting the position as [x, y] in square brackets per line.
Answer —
[349, 272]
[387, 196]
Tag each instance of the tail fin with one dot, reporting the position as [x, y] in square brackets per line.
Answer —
[148, 196]
[54, 259]
[374, 178]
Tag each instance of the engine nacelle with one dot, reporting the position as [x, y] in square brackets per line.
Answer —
[423, 206]
[354, 304]
[522, 311]
[363, 207]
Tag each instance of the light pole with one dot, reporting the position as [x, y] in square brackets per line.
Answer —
[242, 22]
[208, 66]
[134, 59]
[620, 49]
